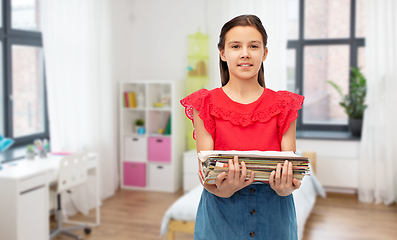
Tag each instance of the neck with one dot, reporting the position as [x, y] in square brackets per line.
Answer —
[243, 87]
[243, 91]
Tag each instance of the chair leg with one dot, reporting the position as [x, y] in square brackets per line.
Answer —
[55, 233]
[71, 235]
[58, 218]
[77, 227]
[64, 230]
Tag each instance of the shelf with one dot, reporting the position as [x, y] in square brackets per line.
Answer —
[134, 109]
[158, 135]
[152, 161]
[159, 109]
[135, 135]
[148, 109]
[146, 135]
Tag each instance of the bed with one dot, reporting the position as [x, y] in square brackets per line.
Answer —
[181, 215]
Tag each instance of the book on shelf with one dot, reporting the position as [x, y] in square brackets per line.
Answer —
[167, 129]
[126, 102]
[129, 100]
[262, 163]
[132, 99]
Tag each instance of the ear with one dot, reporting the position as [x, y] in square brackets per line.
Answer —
[222, 55]
[265, 54]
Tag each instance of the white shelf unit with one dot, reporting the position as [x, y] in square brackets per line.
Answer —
[152, 161]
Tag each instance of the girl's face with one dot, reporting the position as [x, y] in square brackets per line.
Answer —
[244, 52]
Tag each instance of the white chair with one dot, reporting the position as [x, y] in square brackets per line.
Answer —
[72, 173]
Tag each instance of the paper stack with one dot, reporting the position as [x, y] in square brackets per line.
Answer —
[262, 163]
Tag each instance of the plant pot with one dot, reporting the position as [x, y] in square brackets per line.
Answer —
[141, 131]
[355, 125]
[30, 155]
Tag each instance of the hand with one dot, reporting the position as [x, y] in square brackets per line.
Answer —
[234, 182]
[284, 183]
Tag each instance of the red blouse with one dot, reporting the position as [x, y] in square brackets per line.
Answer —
[259, 125]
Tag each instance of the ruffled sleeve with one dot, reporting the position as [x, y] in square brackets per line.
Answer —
[289, 103]
[202, 102]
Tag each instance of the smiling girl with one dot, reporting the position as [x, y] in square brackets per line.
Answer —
[245, 115]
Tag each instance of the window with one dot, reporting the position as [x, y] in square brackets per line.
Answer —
[22, 87]
[325, 39]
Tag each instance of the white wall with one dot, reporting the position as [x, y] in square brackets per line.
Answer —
[150, 37]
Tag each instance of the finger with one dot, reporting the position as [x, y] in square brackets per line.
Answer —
[296, 183]
[278, 174]
[284, 174]
[236, 168]
[290, 174]
[231, 169]
[250, 180]
[202, 181]
[219, 179]
[243, 171]
[271, 179]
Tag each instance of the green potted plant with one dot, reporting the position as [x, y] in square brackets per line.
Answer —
[30, 154]
[139, 124]
[354, 101]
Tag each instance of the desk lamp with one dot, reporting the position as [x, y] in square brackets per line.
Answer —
[5, 143]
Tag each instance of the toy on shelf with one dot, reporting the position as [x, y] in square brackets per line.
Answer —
[140, 100]
[166, 100]
[158, 105]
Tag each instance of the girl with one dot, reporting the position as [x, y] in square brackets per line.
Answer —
[245, 115]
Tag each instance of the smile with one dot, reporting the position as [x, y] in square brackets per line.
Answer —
[245, 65]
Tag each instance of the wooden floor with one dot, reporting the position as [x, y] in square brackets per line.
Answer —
[138, 215]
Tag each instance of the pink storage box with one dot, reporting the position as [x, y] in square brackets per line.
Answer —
[134, 174]
[159, 149]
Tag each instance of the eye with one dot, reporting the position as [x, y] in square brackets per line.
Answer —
[254, 46]
[236, 46]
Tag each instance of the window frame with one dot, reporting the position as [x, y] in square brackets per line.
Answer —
[299, 44]
[8, 38]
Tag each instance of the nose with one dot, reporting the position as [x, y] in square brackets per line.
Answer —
[245, 53]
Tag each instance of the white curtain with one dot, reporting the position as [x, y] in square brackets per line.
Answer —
[378, 157]
[273, 15]
[81, 93]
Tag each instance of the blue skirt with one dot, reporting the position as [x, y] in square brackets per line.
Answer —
[254, 212]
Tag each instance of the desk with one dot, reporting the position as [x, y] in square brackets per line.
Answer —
[24, 186]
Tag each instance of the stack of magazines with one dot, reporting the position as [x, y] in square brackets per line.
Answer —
[262, 163]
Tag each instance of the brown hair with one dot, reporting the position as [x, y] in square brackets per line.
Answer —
[242, 20]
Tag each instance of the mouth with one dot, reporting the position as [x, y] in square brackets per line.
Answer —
[245, 65]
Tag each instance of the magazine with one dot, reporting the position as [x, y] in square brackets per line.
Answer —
[262, 163]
